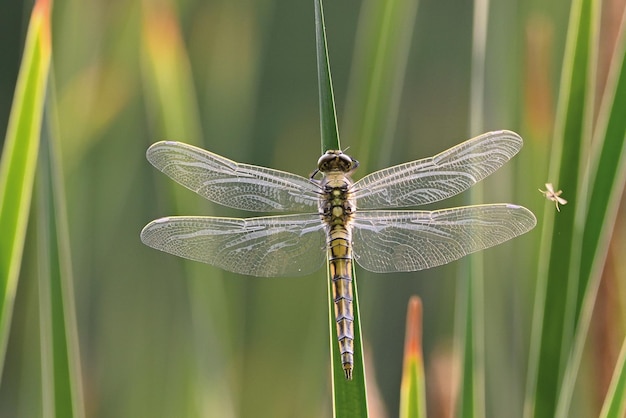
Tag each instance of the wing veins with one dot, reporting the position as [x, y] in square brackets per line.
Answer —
[240, 186]
[440, 177]
[395, 241]
[272, 246]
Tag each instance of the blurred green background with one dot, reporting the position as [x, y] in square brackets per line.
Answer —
[163, 337]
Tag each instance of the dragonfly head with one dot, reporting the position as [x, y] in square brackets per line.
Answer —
[334, 160]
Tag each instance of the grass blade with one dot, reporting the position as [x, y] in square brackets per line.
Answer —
[328, 115]
[61, 371]
[553, 322]
[413, 386]
[472, 281]
[349, 396]
[19, 159]
[607, 174]
[604, 187]
[469, 400]
[615, 401]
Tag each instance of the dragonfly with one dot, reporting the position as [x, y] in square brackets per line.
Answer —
[343, 220]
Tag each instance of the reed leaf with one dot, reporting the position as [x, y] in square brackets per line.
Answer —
[349, 396]
[413, 386]
[615, 401]
[19, 159]
[556, 283]
[596, 215]
[61, 369]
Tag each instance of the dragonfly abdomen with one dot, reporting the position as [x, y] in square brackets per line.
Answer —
[340, 261]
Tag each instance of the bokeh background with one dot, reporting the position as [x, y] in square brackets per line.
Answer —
[163, 337]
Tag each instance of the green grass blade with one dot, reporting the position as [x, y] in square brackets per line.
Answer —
[615, 401]
[328, 115]
[607, 174]
[61, 375]
[19, 159]
[606, 181]
[377, 76]
[413, 386]
[349, 396]
[467, 396]
[556, 283]
[471, 286]
[553, 321]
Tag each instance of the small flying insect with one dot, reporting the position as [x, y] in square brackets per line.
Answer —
[550, 194]
[343, 220]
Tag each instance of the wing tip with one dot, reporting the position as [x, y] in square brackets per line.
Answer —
[505, 133]
[157, 145]
[148, 229]
[527, 213]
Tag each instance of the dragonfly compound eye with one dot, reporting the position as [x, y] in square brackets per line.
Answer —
[336, 161]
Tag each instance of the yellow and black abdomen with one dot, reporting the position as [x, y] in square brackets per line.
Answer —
[340, 260]
[337, 210]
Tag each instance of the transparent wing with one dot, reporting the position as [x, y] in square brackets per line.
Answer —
[231, 184]
[272, 246]
[391, 241]
[439, 177]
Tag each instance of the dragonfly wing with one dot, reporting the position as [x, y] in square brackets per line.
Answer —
[392, 241]
[231, 184]
[272, 246]
[439, 177]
